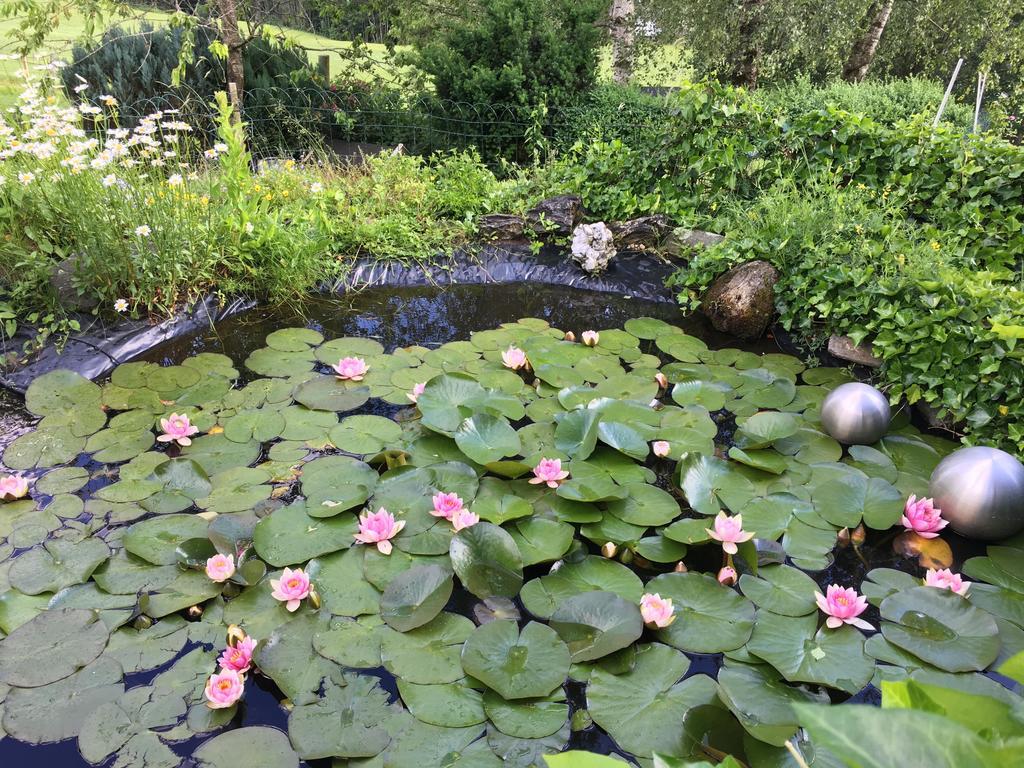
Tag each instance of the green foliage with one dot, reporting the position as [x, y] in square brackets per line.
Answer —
[853, 262]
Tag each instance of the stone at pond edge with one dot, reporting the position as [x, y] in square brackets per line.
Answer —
[62, 280]
[644, 232]
[742, 301]
[844, 348]
[556, 215]
[683, 240]
[501, 226]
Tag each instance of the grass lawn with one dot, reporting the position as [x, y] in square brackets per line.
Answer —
[666, 66]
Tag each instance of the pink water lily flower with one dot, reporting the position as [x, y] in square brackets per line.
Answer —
[351, 369]
[238, 657]
[590, 338]
[946, 579]
[446, 505]
[177, 429]
[224, 689]
[13, 487]
[416, 391]
[842, 606]
[514, 358]
[922, 518]
[292, 588]
[549, 472]
[464, 519]
[378, 528]
[661, 448]
[729, 531]
[657, 611]
[220, 567]
[727, 576]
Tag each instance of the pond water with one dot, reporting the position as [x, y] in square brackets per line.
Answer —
[429, 318]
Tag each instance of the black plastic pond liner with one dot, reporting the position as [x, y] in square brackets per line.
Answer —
[640, 275]
[100, 347]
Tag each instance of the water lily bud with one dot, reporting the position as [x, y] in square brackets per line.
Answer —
[235, 635]
[314, 598]
[662, 380]
[195, 612]
[680, 567]
[570, 336]
[858, 535]
[142, 622]
[727, 576]
[609, 549]
[626, 556]
[843, 537]
[287, 705]
[590, 338]
[656, 404]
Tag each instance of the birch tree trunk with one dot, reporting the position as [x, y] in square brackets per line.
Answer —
[233, 40]
[622, 31]
[863, 51]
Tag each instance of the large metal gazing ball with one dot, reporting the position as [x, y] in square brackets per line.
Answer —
[856, 414]
[980, 492]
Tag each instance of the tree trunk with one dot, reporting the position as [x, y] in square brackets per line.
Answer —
[622, 31]
[863, 51]
[233, 41]
[747, 56]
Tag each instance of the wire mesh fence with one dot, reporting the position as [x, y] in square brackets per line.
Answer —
[299, 121]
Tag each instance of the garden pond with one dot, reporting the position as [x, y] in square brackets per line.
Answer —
[521, 633]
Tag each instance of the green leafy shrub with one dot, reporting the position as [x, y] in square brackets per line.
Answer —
[852, 262]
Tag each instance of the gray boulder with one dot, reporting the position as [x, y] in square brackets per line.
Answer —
[861, 354]
[501, 226]
[644, 232]
[556, 215]
[742, 301]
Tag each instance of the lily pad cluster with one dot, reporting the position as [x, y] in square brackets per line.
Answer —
[505, 637]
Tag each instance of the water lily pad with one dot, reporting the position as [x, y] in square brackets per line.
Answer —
[527, 719]
[63, 480]
[157, 539]
[518, 665]
[350, 720]
[415, 597]
[334, 484]
[646, 505]
[60, 391]
[710, 618]
[289, 535]
[762, 702]
[596, 624]
[711, 484]
[57, 564]
[543, 595]
[941, 628]
[430, 654]
[215, 453]
[485, 438]
[845, 501]
[287, 656]
[781, 589]
[255, 747]
[487, 561]
[43, 448]
[350, 643]
[540, 540]
[339, 579]
[365, 434]
[803, 653]
[644, 709]
[56, 711]
[51, 646]
[452, 705]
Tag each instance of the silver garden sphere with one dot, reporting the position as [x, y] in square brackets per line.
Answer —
[980, 492]
[856, 414]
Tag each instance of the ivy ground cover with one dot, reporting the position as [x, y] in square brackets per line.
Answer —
[543, 548]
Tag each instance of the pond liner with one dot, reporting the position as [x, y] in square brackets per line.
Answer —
[101, 346]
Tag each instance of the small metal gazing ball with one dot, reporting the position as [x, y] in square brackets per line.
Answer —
[980, 492]
[856, 414]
